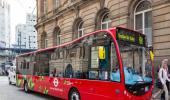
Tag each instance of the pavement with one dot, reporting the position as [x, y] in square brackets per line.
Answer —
[156, 94]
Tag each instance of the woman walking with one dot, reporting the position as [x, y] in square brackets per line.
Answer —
[163, 76]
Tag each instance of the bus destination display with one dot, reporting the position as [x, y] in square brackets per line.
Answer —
[132, 37]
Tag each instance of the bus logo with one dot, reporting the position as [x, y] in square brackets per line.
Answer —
[55, 82]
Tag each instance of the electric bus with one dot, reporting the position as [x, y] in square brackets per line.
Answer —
[102, 65]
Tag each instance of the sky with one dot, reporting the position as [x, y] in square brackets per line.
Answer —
[19, 8]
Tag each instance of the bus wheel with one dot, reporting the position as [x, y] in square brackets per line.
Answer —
[74, 95]
[26, 87]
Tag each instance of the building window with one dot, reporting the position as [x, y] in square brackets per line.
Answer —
[56, 36]
[143, 19]
[56, 3]
[46, 42]
[80, 29]
[45, 9]
[102, 20]
[105, 21]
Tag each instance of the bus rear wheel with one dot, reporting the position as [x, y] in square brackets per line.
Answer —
[26, 87]
[74, 95]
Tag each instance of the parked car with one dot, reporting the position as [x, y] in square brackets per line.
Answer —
[12, 75]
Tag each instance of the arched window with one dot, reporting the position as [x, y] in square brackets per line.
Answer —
[105, 21]
[56, 36]
[102, 19]
[44, 40]
[143, 19]
[78, 29]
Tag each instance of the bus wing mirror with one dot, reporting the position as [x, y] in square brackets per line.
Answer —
[101, 52]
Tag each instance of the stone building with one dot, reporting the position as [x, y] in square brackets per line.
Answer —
[60, 21]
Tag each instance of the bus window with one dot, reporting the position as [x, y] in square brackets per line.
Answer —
[24, 64]
[56, 63]
[137, 73]
[42, 64]
[69, 71]
[99, 62]
[27, 65]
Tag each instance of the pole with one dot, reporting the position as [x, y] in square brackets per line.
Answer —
[29, 41]
[20, 41]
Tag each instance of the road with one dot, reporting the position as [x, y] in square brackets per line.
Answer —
[11, 92]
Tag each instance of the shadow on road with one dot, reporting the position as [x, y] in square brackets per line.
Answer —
[40, 95]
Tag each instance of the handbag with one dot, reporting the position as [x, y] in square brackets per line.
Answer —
[158, 83]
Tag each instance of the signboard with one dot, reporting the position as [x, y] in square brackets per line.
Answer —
[129, 36]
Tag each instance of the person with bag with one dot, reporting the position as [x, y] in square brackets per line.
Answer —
[163, 77]
[167, 83]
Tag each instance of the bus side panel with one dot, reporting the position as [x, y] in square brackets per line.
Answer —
[36, 83]
[20, 80]
[95, 89]
[53, 86]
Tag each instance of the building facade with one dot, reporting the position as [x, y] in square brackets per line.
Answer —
[5, 24]
[61, 21]
[26, 35]
[4, 29]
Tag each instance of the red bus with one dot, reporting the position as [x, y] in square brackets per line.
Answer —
[102, 65]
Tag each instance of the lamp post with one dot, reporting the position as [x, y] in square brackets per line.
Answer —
[19, 41]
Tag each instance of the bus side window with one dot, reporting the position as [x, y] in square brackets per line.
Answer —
[24, 64]
[21, 63]
[27, 65]
[69, 71]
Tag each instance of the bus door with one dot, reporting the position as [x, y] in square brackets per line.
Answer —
[105, 82]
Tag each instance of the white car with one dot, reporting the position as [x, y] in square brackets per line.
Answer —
[12, 75]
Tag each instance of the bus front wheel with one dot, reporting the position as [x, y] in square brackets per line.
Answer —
[26, 87]
[74, 95]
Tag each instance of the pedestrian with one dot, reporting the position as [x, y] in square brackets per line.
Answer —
[163, 76]
[167, 83]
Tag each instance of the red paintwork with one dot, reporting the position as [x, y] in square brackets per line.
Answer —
[88, 89]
